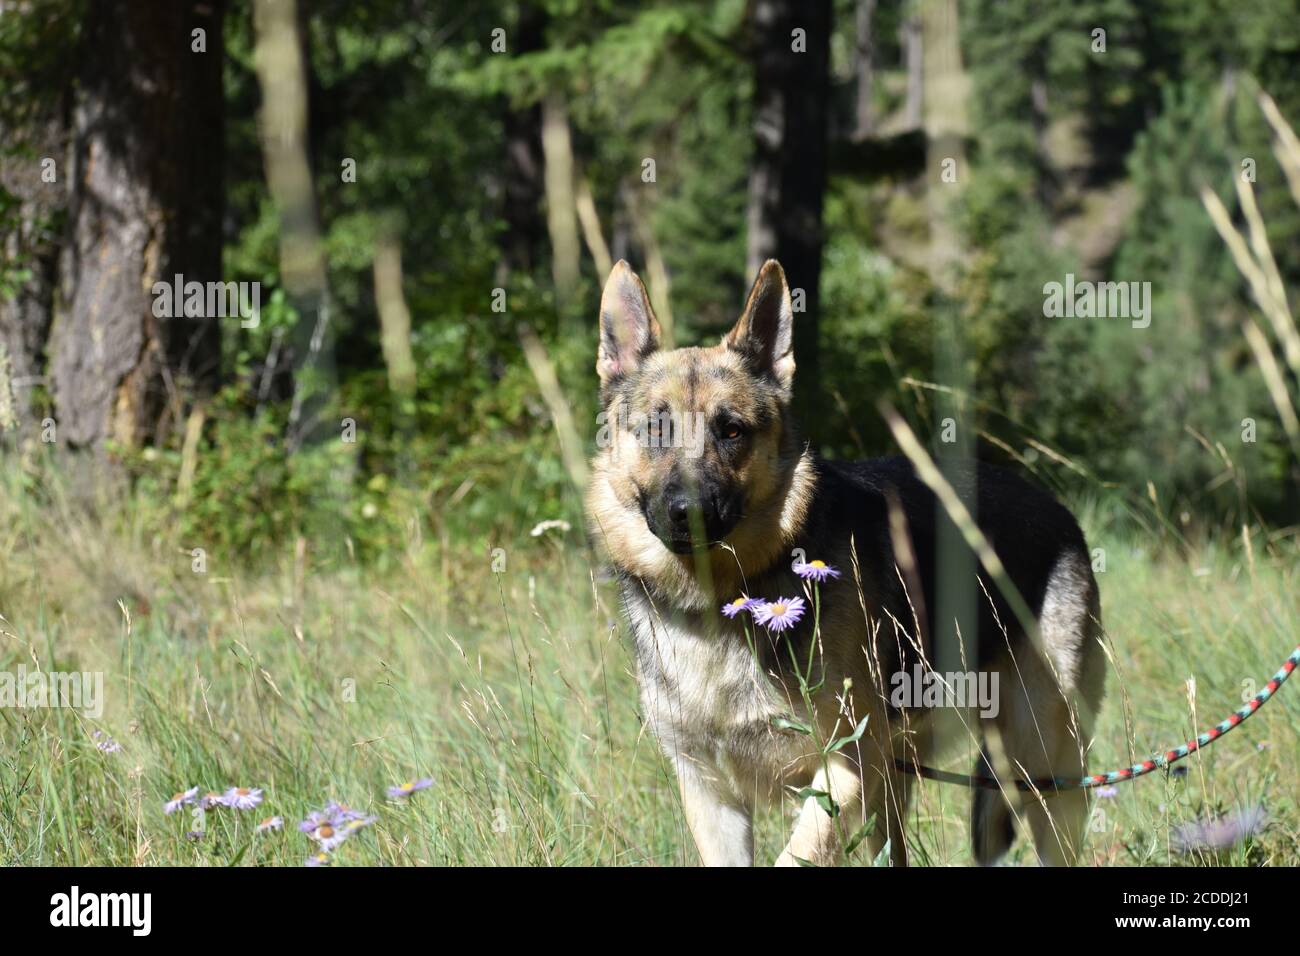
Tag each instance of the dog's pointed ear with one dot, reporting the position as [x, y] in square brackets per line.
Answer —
[764, 335]
[629, 330]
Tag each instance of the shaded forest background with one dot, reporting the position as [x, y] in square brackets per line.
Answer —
[415, 184]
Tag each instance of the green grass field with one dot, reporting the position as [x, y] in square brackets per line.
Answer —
[513, 692]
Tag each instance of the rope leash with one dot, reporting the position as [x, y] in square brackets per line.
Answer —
[1050, 785]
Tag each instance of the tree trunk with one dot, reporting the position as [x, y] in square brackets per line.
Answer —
[561, 206]
[284, 73]
[525, 230]
[146, 204]
[788, 173]
[911, 41]
[864, 65]
[946, 127]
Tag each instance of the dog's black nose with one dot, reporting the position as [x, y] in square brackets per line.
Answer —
[679, 509]
[685, 517]
[679, 503]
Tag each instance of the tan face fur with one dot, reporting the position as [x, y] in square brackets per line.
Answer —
[705, 428]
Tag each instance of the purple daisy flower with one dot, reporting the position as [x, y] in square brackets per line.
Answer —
[816, 571]
[404, 790]
[1107, 792]
[780, 614]
[335, 815]
[318, 859]
[179, 800]
[108, 745]
[331, 826]
[270, 823]
[210, 801]
[1218, 834]
[331, 837]
[742, 603]
[242, 798]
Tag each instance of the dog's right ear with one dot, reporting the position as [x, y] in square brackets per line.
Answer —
[764, 334]
[629, 330]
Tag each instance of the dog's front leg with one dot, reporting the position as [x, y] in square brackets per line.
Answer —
[721, 825]
[816, 838]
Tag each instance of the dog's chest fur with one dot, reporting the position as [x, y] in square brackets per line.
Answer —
[708, 701]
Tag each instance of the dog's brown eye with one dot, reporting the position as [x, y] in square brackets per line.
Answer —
[731, 432]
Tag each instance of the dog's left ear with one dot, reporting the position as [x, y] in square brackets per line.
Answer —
[764, 335]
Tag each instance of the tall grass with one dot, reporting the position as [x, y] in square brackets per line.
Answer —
[513, 691]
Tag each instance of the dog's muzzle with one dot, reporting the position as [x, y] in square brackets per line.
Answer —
[684, 522]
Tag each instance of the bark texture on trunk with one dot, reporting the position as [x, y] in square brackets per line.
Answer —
[145, 205]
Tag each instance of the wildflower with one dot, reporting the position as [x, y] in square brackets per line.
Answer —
[741, 603]
[342, 813]
[195, 835]
[211, 800]
[404, 790]
[1218, 834]
[270, 823]
[313, 820]
[328, 837]
[108, 745]
[331, 837]
[780, 614]
[816, 571]
[1107, 792]
[242, 798]
[318, 859]
[179, 800]
[333, 815]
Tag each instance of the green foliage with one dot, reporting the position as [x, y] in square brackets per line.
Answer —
[874, 315]
[1195, 374]
[1148, 122]
[420, 99]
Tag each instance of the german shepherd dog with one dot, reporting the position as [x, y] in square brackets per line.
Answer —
[689, 525]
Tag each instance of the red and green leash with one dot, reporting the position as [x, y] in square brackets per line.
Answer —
[1049, 785]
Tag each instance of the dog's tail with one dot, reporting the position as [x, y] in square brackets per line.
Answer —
[992, 828]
